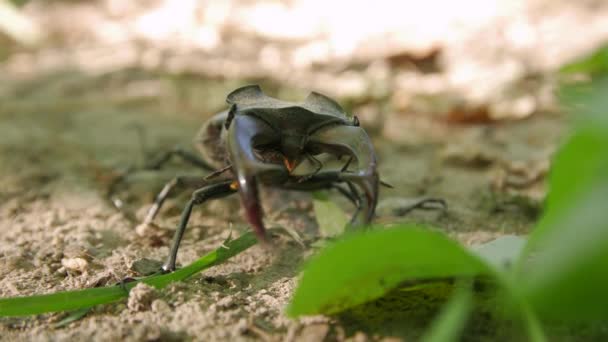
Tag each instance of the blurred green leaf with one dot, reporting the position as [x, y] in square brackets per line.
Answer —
[597, 63]
[330, 217]
[563, 269]
[449, 324]
[586, 101]
[364, 266]
[532, 324]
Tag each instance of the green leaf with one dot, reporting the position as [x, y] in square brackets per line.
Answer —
[330, 217]
[80, 299]
[449, 324]
[364, 266]
[563, 270]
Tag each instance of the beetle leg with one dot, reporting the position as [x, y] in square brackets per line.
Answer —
[179, 181]
[353, 195]
[386, 184]
[345, 167]
[154, 165]
[244, 133]
[424, 203]
[200, 196]
[186, 156]
[354, 142]
[312, 159]
[319, 167]
[218, 172]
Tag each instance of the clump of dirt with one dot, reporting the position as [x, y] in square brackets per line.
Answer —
[141, 297]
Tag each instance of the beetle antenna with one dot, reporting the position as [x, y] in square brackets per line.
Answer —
[218, 172]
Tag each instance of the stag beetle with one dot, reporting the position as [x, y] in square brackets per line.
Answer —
[261, 140]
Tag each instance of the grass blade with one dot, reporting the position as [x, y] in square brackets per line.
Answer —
[79, 299]
[72, 317]
[449, 324]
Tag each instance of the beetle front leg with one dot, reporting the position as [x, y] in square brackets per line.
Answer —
[352, 195]
[179, 181]
[355, 143]
[200, 196]
[244, 133]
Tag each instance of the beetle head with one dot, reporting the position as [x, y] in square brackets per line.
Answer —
[292, 147]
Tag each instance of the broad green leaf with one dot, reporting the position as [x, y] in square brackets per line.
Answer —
[567, 275]
[365, 265]
[80, 299]
[580, 165]
[449, 324]
[330, 217]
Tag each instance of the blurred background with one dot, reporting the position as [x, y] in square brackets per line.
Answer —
[475, 60]
[461, 99]
[477, 80]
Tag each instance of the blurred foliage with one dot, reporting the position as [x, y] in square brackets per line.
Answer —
[19, 3]
[570, 243]
[561, 273]
[596, 64]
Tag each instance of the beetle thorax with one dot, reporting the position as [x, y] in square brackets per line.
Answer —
[292, 145]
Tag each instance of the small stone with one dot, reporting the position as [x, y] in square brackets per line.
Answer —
[159, 305]
[225, 302]
[242, 326]
[79, 265]
[145, 266]
[314, 332]
[61, 271]
[141, 297]
[360, 337]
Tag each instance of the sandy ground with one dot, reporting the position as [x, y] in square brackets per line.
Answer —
[59, 232]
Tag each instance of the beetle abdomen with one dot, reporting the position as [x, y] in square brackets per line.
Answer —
[209, 142]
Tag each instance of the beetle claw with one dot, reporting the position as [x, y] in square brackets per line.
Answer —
[355, 143]
[369, 185]
[242, 133]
